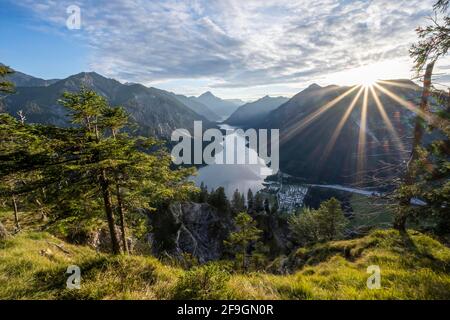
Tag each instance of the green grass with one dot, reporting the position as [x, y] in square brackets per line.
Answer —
[33, 267]
[413, 266]
[370, 213]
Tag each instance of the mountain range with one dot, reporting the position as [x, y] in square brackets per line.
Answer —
[223, 108]
[198, 107]
[320, 131]
[252, 113]
[320, 127]
[156, 112]
[23, 80]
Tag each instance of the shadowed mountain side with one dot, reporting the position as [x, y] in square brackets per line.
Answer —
[223, 108]
[198, 107]
[236, 102]
[252, 113]
[324, 138]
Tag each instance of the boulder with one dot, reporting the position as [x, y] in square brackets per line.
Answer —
[194, 228]
[99, 240]
[3, 232]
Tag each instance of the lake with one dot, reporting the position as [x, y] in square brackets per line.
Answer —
[234, 176]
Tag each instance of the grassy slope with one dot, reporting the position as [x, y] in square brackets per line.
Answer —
[412, 267]
[370, 213]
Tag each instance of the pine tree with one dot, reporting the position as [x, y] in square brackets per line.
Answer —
[72, 173]
[240, 240]
[6, 86]
[324, 224]
[250, 200]
[218, 199]
[258, 204]
[430, 184]
[203, 194]
[331, 220]
[115, 119]
[87, 109]
[238, 202]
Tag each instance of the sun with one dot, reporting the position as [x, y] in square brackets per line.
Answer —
[368, 81]
[368, 74]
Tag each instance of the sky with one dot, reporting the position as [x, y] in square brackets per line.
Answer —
[233, 48]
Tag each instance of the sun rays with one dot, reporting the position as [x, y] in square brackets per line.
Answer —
[293, 129]
[386, 120]
[404, 103]
[362, 134]
[341, 124]
[371, 92]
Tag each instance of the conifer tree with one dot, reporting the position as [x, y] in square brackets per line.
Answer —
[8, 87]
[250, 200]
[324, 224]
[5, 85]
[258, 204]
[203, 194]
[238, 202]
[240, 240]
[218, 199]
[426, 174]
[115, 163]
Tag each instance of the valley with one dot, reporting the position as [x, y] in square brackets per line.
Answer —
[204, 150]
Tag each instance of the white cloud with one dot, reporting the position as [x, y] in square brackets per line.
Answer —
[239, 44]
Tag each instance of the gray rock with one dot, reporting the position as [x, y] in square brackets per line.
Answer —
[99, 240]
[3, 232]
[197, 229]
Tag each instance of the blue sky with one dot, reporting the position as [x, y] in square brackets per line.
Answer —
[31, 45]
[242, 49]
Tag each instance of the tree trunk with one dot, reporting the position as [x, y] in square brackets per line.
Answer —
[16, 213]
[400, 221]
[244, 255]
[402, 217]
[418, 129]
[122, 218]
[104, 183]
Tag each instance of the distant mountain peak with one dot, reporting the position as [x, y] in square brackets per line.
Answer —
[251, 113]
[207, 94]
[156, 112]
[20, 79]
[223, 108]
[86, 74]
[314, 86]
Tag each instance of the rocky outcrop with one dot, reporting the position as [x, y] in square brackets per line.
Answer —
[3, 232]
[99, 240]
[197, 229]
